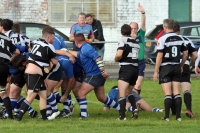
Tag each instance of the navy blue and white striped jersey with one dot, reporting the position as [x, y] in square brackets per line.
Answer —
[130, 51]
[191, 48]
[41, 53]
[171, 45]
[6, 47]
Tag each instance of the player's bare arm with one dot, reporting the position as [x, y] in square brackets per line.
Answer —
[158, 63]
[65, 52]
[100, 64]
[118, 55]
[143, 17]
[184, 58]
[74, 53]
[71, 37]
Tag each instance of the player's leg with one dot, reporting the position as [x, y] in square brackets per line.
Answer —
[187, 98]
[141, 67]
[166, 87]
[177, 98]
[122, 85]
[83, 91]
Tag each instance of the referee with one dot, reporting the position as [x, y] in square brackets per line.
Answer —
[168, 64]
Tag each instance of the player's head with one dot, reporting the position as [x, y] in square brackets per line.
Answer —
[6, 25]
[89, 19]
[81, 18]
[134, 27]
[16, 27]
[126, 30]
[48, 34]
[168, 24]
[79, 39]
[19, 62]
[176, 28]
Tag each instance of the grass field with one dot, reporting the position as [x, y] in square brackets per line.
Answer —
[105, 122]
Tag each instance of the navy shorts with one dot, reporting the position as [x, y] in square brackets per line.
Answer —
[79, 77]
[141, 67]
[95, 81]
[169, 73]
[55, 74]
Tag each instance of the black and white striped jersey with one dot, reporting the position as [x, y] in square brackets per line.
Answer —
[17, 38]
[130, 51]
[6, 47]
[171, 45]
[41, 53]
[191, 48]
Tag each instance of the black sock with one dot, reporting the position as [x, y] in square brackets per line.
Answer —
[188, 100]
[122, 103]
[43, 113]
[8, 106]
[178, 102]
[37, 97]
[139, 91]
[24, 107]
[173, 106]
[131, 99]
[167, 103]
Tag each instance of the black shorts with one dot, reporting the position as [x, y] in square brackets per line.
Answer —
[185, 75]
[4, 73]
[128, 73]
[169, 73]
[18, 79]
[95, 81]
[136, 96]
[35, 82]
[55, 74]
[79, 77]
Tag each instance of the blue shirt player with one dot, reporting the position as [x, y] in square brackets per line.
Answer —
[95, 75]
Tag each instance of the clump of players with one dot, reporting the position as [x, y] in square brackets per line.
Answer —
[45, 65]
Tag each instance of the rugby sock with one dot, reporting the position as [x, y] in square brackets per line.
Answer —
[167, 103]
[131, 99]
[8, 106]
[130, 109]
[57, 96]
[51, 100]
[66, 106]
[188, 100]
[19, 103]
[49, 110]
[173, 106]
[17, 107]
[178, 103]
[24, 107]
[112, 103]
[83, 107]
[13, 102]
[43, 113]
[122, 103]
[69, 97]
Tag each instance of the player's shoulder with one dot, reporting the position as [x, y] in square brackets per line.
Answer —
[3, 36]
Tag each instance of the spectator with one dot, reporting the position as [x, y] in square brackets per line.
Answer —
[98, 33]
[81, 27]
